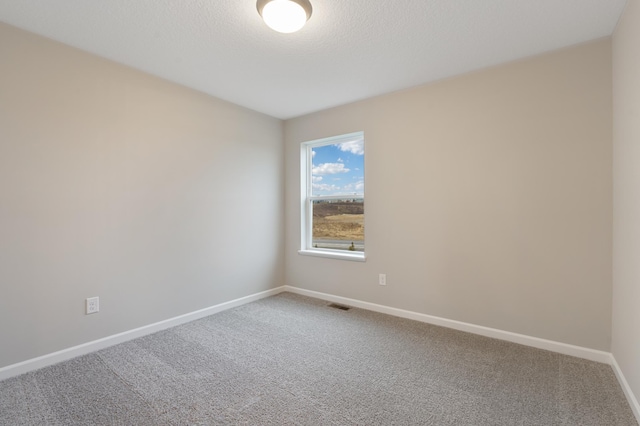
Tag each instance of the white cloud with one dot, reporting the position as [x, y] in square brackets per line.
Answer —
[329, 169]
[313, 153]
[315, 179]
[340, 160]
[324, 187]
[356, 187]
[354, 147]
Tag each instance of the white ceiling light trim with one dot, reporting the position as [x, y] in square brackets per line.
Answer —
[285, 16]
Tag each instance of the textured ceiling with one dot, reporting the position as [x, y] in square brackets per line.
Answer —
[349, 50]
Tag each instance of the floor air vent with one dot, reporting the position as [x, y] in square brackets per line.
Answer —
[341, 307]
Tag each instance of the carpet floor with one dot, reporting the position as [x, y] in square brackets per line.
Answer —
[294, 360]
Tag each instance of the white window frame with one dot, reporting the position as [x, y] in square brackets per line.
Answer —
[306, 200]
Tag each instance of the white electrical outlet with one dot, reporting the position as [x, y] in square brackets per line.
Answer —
[92, 305]
[382, 279]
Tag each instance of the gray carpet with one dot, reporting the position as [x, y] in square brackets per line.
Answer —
[290, 359]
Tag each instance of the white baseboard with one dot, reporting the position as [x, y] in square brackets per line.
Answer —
[66, 354]
[550, 345]
[631, 398]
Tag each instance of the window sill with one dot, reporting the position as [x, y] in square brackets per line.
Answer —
[335, 254]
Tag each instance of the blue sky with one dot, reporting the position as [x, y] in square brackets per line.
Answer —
[338, 169]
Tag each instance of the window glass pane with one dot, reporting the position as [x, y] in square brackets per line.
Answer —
[338, 169]
[338, 224]
[333, 192]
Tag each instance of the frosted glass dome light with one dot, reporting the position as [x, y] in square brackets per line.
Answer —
[285, 16]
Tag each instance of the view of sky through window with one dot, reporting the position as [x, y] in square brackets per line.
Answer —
[338, 169]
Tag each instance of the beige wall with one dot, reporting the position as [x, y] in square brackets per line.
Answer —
[488, 198]
[124, 186]
[626, 196]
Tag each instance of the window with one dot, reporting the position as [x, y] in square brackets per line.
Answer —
[332, 201]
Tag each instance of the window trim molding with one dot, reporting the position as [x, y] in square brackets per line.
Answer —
[334, 254]
[306, 164]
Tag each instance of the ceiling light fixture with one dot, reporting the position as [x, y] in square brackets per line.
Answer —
[285, 16]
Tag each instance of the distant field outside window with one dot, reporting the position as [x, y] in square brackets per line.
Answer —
[334, 195]
[338, 224]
